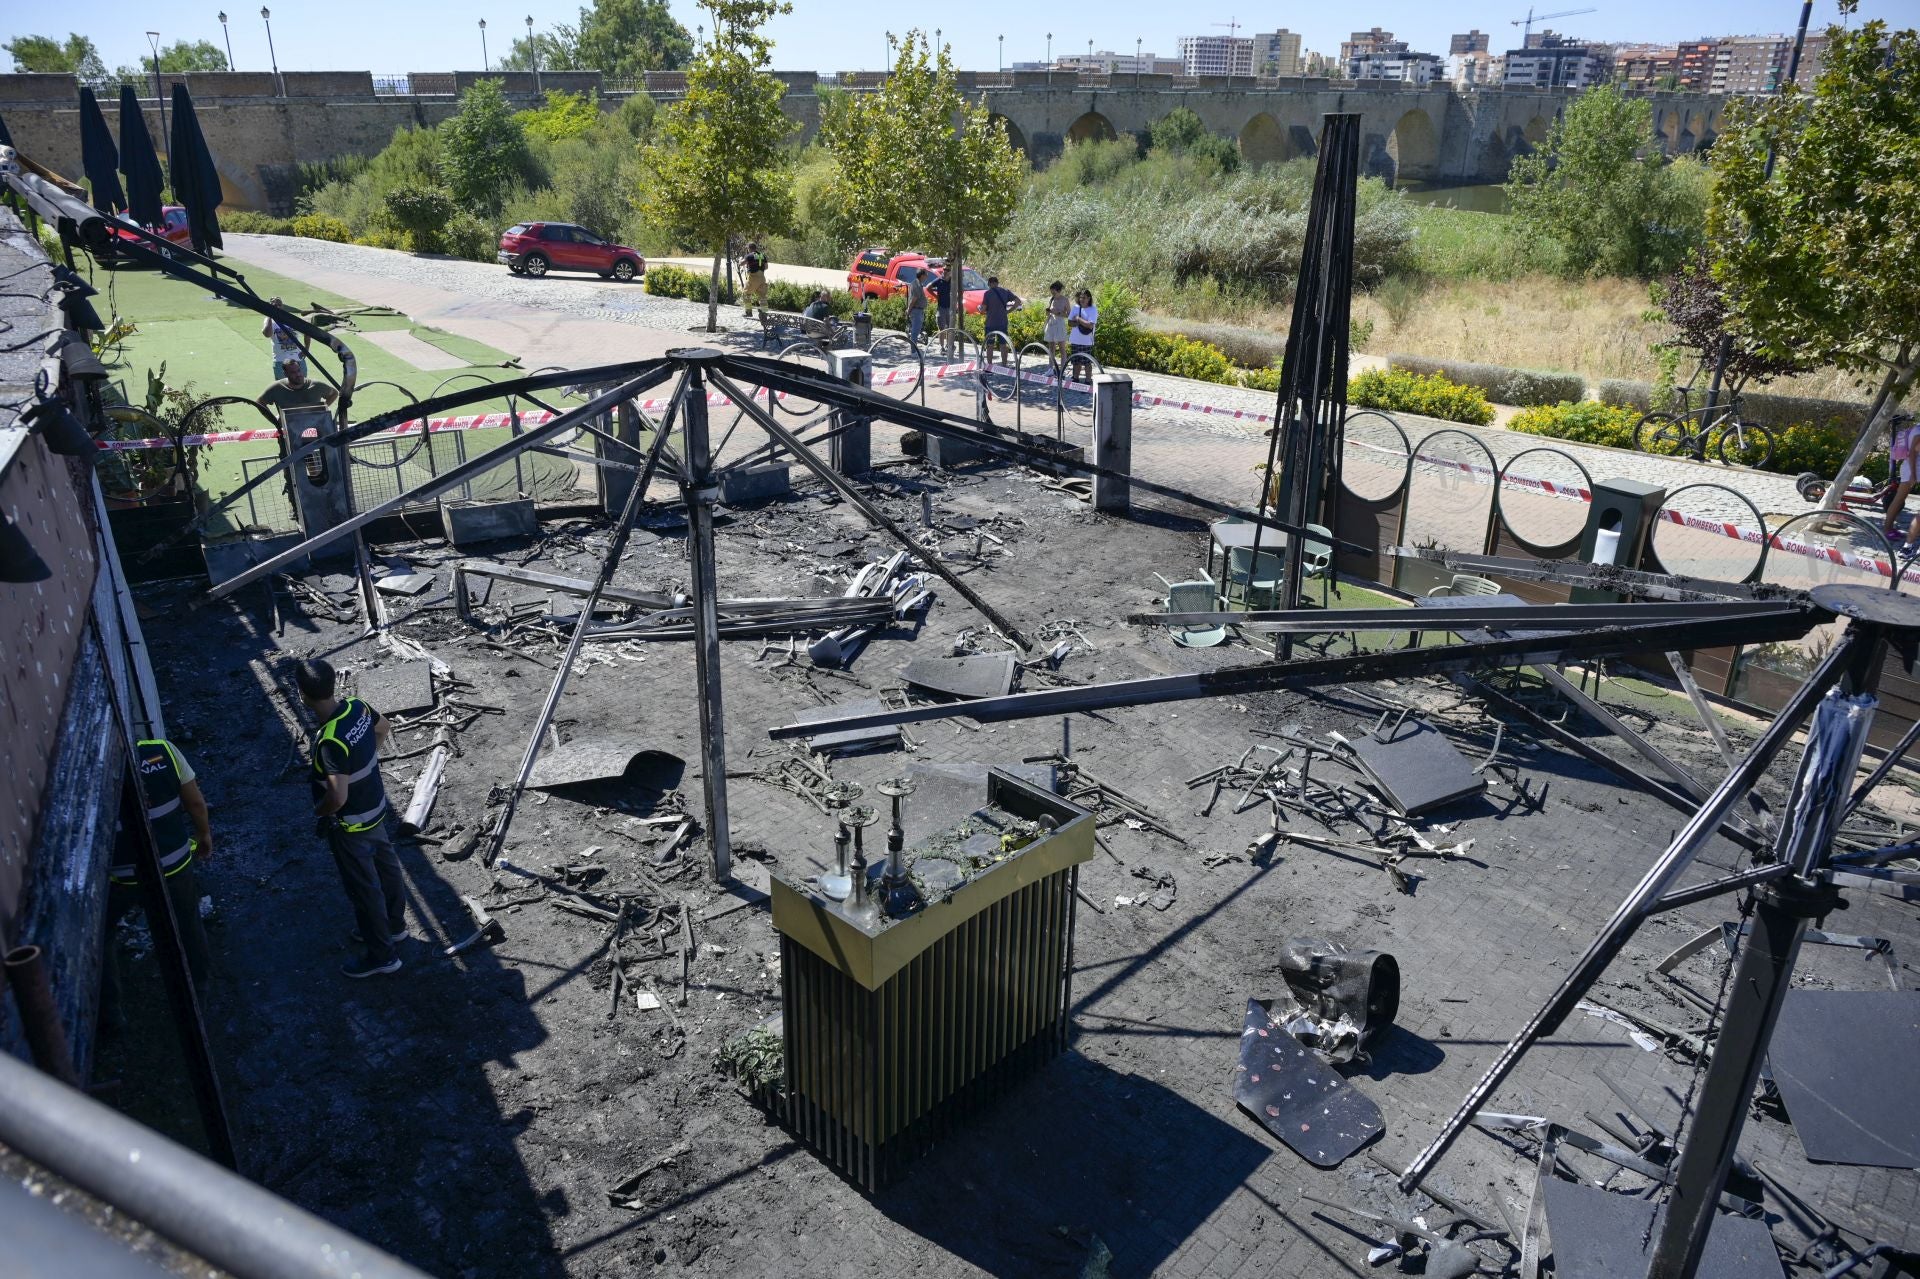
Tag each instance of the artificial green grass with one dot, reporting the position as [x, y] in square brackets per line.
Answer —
[206, 346]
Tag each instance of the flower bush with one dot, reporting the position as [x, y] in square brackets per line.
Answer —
[1429, 395]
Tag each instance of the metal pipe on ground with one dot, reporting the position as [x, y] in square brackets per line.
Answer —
[427, 788]
[46, 1038]
[205, 1209]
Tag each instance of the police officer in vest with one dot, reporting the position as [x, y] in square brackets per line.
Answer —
[350, 805]
[173, 801]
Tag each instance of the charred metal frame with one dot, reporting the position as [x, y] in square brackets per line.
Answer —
[1795, 885]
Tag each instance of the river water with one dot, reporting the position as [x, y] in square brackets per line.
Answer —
[1490, 198]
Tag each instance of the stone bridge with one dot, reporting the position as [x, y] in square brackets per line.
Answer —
[262, 128]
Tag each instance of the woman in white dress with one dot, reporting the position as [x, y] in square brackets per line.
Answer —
[1058, 308]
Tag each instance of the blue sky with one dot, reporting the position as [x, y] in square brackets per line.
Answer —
[390, 36]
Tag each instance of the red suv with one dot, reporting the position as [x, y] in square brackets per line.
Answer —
[535, 248]
[881, 273]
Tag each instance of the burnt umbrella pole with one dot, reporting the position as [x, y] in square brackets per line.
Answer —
[701, 491]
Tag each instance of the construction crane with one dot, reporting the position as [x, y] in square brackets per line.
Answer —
[1526, 24]
[1233, 27]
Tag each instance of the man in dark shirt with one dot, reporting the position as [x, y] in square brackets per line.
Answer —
[994, 304]
[296, 390]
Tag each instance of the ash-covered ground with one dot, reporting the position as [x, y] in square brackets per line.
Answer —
[471, 1114]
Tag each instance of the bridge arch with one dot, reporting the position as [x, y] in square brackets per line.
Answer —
[1014, 135]
[1536, 132]
[1092, 127]
[1262, 141]
[1413, 146]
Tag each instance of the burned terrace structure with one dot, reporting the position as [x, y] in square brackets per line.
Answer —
[1163, 954]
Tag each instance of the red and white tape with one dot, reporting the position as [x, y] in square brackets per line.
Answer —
[1481, 473]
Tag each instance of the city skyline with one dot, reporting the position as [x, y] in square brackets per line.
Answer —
[427, 35]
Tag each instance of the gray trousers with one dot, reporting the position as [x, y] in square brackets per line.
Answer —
[370, 872]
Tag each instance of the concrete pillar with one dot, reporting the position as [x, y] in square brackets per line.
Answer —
[615, 485]
[1113, 441]
[850, 451]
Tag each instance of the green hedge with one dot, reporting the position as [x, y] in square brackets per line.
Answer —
[318, 226]
[1582, 421]
[676, 282]
[246, 222]
[1430, 395]
[1502, 385]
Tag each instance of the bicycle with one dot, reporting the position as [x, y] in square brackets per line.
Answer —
[1740, 443]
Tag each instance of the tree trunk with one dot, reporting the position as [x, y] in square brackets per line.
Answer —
[1893, 390]
[713, 294]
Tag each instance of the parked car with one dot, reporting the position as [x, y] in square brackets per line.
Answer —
[882, 273]
[535, 248]
[172, 228]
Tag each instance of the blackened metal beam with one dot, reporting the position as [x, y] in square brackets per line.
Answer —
[839, 483]
[1720, 887]
[622, 531]
[1545, 617]
[1627, 918]
[1658, 586]
[813, 385]
[700, 491]
[1517, 650]
[452, 478]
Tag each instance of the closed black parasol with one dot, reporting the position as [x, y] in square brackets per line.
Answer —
[196, 183]
[98, 156]
[138, 161]
[6, 139]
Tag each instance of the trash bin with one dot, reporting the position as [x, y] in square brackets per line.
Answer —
[862, 327]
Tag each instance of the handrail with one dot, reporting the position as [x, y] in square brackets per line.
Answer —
[215, 1214]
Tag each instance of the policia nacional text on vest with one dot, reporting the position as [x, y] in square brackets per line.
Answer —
[346, 746]
[160, 782]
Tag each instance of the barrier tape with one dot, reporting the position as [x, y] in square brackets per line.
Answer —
[1481, 473]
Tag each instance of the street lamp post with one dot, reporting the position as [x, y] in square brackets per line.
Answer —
[160, 92]
[1003, 56]
[533, 50]
[484, 64]
[228, 36]
[1049, 59]
[266, 16]
[1136, 60]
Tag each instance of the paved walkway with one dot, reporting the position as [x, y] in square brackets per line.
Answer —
[578, 321]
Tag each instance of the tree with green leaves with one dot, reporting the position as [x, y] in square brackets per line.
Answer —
[626, 38]
[75, 55]
[1599, 191]
[920, 166]
[1182, 132]
[556, 49]
[1820, 259]
[566, 115]
[483, 148]
[179, 57]
[715, 167]
[619, 38]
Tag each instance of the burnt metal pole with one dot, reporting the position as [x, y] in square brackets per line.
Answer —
[622, 531]
[1627, 917]
[1764, 967]
[702, 491]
